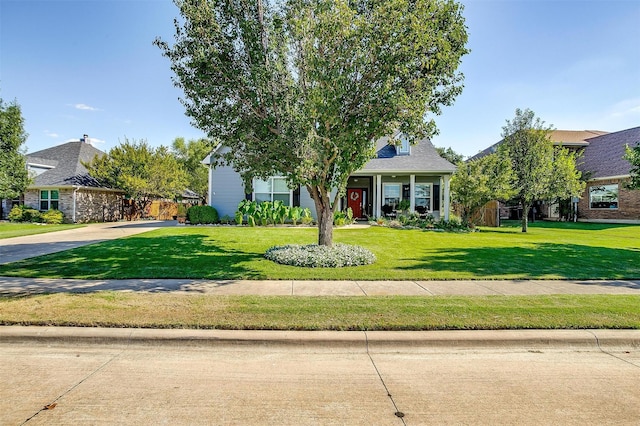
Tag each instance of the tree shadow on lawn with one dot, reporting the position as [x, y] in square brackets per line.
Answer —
[181, 256]
[551, 224]
[562, 261]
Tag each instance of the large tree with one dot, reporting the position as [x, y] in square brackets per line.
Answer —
[632, 155]
[540, 170]
[476, 182]
[303, 88]
[14, 177]
[190, 155]
[143, 172]
[450, 155]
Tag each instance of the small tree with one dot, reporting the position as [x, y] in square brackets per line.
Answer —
[477, 182]
[540, 172]
[14, 177]
[632, 155]
[144, 173]
[190, 155]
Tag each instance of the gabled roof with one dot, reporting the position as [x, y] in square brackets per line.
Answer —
[423, 159]
[604, 156]
[579, 138]
[66, 162]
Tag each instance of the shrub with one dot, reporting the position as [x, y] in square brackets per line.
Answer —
[53, 217]
[202, 215]
[24, 214]
[316, 256]
[306, 218]
[341, 218]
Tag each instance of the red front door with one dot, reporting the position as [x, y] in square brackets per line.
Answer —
[354, 200]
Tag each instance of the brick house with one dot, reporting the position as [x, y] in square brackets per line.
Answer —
[62, 182]
[606, 196]
[602, 163]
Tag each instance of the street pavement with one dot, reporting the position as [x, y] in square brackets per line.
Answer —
[187, 377]
[67, 375]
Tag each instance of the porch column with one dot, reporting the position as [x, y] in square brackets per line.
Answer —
[446, 200]
[378, 196]
[412, 193]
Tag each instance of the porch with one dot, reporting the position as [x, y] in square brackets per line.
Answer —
[380, 195]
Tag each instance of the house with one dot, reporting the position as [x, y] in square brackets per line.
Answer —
[415, 173]
[606, 197]
[571, 139]
[603, 165]
[62, 182]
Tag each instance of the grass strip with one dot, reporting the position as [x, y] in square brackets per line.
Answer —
[164, 310]
[10, 230]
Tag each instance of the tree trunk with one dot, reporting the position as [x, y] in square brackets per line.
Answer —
[324, 213]
[525, 217]
[325, 228]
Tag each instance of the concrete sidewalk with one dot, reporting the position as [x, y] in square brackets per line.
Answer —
[13, 286]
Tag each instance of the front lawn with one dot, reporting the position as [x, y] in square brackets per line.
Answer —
[10, 229]
[547, 251]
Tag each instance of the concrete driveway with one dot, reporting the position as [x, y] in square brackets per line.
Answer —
[18, 248]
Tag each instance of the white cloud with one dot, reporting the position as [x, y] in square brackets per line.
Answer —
[626, 108]
[95, 141]
[85, 107]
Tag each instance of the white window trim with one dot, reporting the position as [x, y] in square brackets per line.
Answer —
[405, 147]
[430, 207]
[384, 191]
[253, 195]
[49, 200]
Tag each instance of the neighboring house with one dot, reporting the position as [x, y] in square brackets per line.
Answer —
[62, 182]
[415, 173]
[571, 139]
[606, 197]
[603, 165]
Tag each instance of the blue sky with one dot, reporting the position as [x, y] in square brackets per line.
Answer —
[89, 66]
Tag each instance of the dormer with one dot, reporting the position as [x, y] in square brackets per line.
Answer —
[404, 147]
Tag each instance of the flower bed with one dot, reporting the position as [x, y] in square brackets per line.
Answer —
[316, 256]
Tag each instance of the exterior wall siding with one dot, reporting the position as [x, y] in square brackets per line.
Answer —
[227, 190]
[628, 203]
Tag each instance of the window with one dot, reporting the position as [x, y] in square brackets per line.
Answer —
[391, 194]
[272, 189]
[49, 199]
[405, 147]
[422, 197]
[603, 197]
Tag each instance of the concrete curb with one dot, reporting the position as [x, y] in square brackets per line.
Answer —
[378, 341]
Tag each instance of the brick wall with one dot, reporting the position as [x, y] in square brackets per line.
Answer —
[91, 206]
[98, 206]
[628, 202]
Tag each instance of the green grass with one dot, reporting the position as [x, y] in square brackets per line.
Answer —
[10, 230]
[547, 251]
[164, 310]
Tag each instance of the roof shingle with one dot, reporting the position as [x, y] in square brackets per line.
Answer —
[66, 160]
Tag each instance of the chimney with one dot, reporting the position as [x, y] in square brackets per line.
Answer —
[85, 138]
